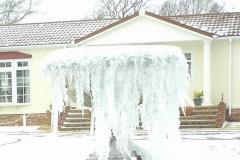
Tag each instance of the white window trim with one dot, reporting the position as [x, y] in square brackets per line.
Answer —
[13, 69]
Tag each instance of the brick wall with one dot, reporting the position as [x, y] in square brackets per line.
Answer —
[11, 120]
[37, 119]
[235, 116]
[33, 119]
[63, 116]
[221, 114]
[188, 111]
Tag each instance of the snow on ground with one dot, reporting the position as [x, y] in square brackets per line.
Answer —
[197, 145]
[45, 146]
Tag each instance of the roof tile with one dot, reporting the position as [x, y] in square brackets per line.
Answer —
[48, 33]
[221, 24]
[64, 32]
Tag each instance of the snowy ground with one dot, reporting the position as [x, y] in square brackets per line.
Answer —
[31, 145]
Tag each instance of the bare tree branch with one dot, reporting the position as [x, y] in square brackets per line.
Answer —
[118, 8]
[184, 7]
[13, 11]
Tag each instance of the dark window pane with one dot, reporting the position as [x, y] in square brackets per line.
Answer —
[8, 74]
[19, 90]
[2, 74]
[2, 99]
[26, 73]
[25, 63]
[9, 82]
[27, 98]
[2, 64]
[1, 83]
[5, 83]
[9, 98]
[20, 64]
[9, 91]
[19, 73]
[187, 56]
[19, 82]
[26, 82]
[2, 92]
[20, 99]
[26, 90]
[8, 64]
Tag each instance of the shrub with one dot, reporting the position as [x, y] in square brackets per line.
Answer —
[198, 94]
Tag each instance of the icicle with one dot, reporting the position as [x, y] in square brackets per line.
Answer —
[119, 76]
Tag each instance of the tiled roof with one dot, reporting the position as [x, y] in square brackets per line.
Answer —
[65, 32]
[222, 24]
[48, 33]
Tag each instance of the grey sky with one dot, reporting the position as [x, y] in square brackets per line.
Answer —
[56, 10]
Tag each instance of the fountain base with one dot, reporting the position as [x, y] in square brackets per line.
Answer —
[114, 154]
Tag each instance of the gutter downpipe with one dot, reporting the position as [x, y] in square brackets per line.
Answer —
[230, 78]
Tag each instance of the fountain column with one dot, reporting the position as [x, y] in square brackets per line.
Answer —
[58, 86]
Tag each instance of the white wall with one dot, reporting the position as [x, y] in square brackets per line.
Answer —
[143, 29]
[236, 74]
[219, 70]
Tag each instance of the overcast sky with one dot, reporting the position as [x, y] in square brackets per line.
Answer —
[56, 10]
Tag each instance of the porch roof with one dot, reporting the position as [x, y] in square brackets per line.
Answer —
[14, 55]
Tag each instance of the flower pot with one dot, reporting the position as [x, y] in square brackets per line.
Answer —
[197, 101]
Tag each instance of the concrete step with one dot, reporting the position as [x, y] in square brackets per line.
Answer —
[205, 112]
[77, 115]
[198, 126]
[199, 117]
[198, 121]
[80, 111]
[73, 119]
[81, 124]
[141, 132]
[63, 128]
[204, 107]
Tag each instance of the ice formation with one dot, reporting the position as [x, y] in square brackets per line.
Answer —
[117, 77]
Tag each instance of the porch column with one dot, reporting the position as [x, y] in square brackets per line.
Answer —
[207, 100]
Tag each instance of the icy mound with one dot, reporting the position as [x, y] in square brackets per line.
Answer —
[125, 82]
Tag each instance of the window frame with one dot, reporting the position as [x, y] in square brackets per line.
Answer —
[13, 69]
[190, 77]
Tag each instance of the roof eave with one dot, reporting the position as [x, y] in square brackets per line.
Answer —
[165, 19]
[30, 47]
[92, 34]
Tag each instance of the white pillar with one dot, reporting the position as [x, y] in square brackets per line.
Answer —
[207, 73]
[230, 78]
[54, 122]
[24, 117]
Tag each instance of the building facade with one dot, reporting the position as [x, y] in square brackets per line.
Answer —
[210, 42]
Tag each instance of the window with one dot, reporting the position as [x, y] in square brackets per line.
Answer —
[14, 82]
[5, 87]
[188, 57]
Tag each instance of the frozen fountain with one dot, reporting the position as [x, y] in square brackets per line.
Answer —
[117, 77]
